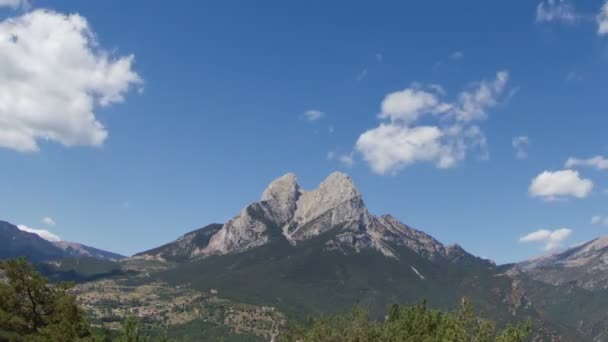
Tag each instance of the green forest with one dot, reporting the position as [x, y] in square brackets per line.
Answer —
[34, 309]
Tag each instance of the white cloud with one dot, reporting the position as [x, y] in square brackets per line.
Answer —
[409, 104]
[53, 74]
[549, 239]
[600, 220]
[14, 3]
[390, 147]
[602, 20]
[48, 221]
[520, 144]
[597, 162]
[45, 234]
[313, 115]
[556, 10]
[399, 141]
[559, 184]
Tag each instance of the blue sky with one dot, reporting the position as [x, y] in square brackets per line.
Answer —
[178, 116]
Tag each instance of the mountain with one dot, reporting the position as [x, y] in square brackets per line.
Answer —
[16, 243]
[300, 252]
[293, 215]
[77, 250]
[321, 250]
[184, 248]
[585, 265]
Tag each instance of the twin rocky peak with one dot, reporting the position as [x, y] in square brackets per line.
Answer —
[334, 210]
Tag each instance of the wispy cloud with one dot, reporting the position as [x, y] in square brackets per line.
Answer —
[15, 3]
[456, 55]
[361, 76]
[313, 115]
[597, 162]
[48, 221]
[600, 220]
[556, 10]
[520, 144]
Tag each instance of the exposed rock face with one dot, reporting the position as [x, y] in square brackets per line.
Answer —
[335, 202]
[299, 215]
[585, 265]
[251, 228]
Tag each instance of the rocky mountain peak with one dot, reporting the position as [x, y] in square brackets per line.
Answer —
[281, 197]
[282, 189]
[335, 205]
[337, 187]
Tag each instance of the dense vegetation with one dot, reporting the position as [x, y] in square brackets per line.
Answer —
[32, 309]
[413, 323]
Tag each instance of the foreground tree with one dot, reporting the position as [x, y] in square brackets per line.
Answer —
[414, 323]
[33, 310]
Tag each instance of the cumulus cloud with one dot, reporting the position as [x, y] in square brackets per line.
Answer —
[549, 239]
[600, 220]
[597, 162]
[602, 20]
[53, 75]
[409, 104]
[556, 10]
[313, 115]
[553, 185]
[14, 3]
[48, 221]
[45, 234]
[400, 140]
[520, 144]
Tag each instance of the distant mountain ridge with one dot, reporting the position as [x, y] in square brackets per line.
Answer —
[585, 265]
[17, 243]
[77, 250]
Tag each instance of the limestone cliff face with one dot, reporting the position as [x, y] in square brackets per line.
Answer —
[335, 205]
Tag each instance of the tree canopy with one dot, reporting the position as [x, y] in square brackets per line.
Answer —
[31, 309]
[404, 324]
